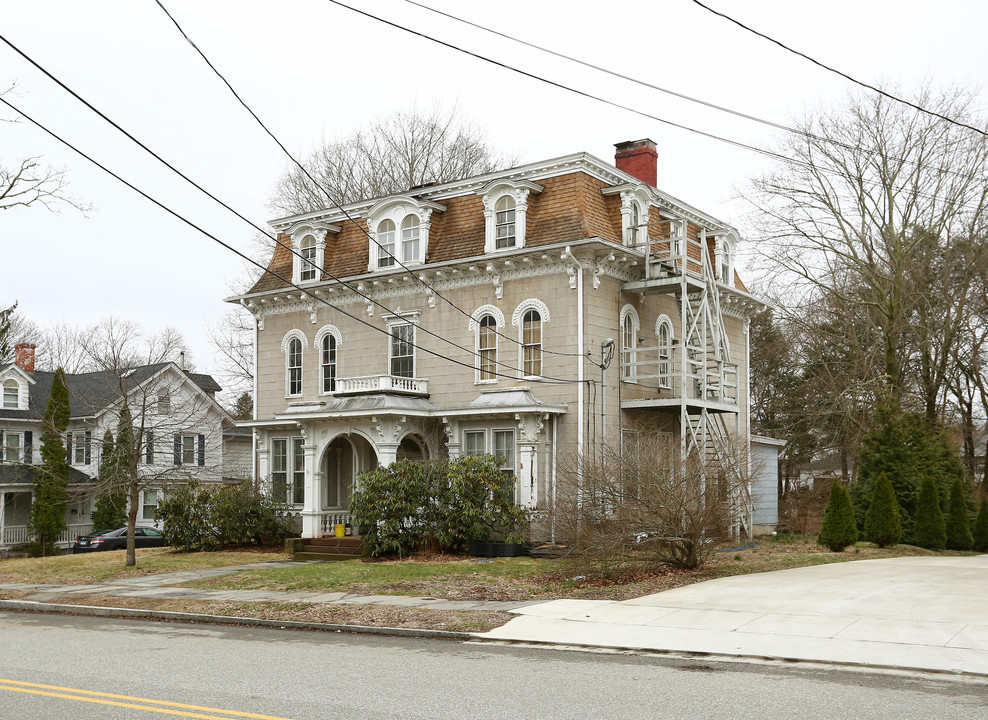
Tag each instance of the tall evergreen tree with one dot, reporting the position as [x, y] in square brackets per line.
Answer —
[51, 477]
[111, 503]
[929, 531]
[838, 530]
[882, 524]
[981, 528]
[958, 522]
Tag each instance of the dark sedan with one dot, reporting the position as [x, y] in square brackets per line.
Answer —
[117, 540]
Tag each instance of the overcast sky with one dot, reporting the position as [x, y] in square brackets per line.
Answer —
[313, 70]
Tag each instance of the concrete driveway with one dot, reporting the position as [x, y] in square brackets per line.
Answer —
[917, 613]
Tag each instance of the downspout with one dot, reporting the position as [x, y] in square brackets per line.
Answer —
[747, 420]
[577, 271]
[555, 445]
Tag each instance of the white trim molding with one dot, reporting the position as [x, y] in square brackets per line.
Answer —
[327, 330]
[294, 333]
[529, 304]
[398, 210]
[491, 193]
[485, 310]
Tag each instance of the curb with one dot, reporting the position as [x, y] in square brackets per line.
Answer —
[172, 616]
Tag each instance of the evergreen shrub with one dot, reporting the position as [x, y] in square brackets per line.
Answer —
[882, 523]
[958, 522]
[930, 531]
[839, 529]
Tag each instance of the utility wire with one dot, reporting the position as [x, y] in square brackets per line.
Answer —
[329, 195]
[838, 72]
[667, 91]
[761, 151]
[245, 257]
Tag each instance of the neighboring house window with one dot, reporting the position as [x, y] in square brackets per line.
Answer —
[11, 394]
[279, 469]
[504, 222]
[663, 332]
[287, 488]
[410, 239]
[328, 364]
[149, 448]
[630, 325]
[307, 250]
[298, 471]
[529, 317]
[386, 244]
[164, 403]
[402, 350]
[190, 450]
[11, 447]
[292, 345]
[474, 442]
[150, 504]
[82, 449]
[487, 348]
[506, 213]
[504, 450]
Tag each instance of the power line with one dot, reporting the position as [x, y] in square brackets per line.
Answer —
[210, 195]
[838, 72]
[667, 91]
[326, 192]
[243, 256]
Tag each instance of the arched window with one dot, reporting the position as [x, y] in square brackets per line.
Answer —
[630, 325]
[531, 342]
[307, 249]
[11, 394]
[633, 225]
[294, 366]
[328, 363]
[386, 244]
[487, 347]
[410, 239]
[663, 332]
[504, 222]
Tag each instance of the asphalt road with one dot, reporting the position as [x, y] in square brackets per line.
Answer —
[84, 668]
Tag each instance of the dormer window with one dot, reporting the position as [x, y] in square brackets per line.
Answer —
[504, 222]
[309, 250]
[11, 394]
[506, 213]
[724, 258]
[308, 259]
[635, 203]
[405, 215]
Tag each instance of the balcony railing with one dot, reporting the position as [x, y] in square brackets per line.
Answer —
[332, 518]
[382, 383]
[658, 369]
[18, 534]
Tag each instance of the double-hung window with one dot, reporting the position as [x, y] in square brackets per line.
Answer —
[504, 449]
[532, 343]
[402, 350]
[11, 394]
[328, 363]
[294, 367]
[386, 244]
[475, 442]
[307, 251]
[12, 447]
[504, 222]
[410, 239]
[665, 353]
[288, 486]
[298, 471]
[487, 347]
[279, 469]
[150, 504]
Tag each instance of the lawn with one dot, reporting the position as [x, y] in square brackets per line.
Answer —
[107, 566]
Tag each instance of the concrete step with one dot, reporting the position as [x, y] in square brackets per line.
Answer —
[325, 557]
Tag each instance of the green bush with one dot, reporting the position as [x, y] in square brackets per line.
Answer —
[198, 518]
[981, 528]
[929, 531]
[882, 523]
[839, 529]
[958, 522]
[441, 504]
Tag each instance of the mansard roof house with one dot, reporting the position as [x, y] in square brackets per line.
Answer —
[186, 435]
[456, 318]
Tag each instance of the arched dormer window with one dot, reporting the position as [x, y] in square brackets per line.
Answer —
[308, 242]
[407, 215]
[530, 317]
[635, 203]
[485, 323]
[11, 394]
[506, 213]
[663, 334]
[630, 325]
[293, 344]
[410, 239]
[724, 258]
[328, 341]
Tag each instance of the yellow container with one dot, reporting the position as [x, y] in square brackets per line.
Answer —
[339, 529]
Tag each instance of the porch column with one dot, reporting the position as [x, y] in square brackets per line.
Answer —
[312, 503]
[264, 464]
[530, 428]
[3, 503]
[387, 453]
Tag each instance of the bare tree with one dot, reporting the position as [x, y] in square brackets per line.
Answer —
[393, 155]
[233, 341]
[874, 201]
[27, 181]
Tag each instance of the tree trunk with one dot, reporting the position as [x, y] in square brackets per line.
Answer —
[131, 524]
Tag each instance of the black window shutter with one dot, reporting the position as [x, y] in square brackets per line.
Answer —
[2, 445]
[28, 446]
[68, 448]
[202, 449]
[178, 449]
[149, 449]
[89, 447]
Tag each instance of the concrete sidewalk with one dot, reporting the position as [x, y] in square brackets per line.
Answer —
[916, 613]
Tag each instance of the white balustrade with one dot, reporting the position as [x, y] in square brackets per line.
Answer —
[381, 383]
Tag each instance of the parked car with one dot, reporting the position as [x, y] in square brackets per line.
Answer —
[117, 540]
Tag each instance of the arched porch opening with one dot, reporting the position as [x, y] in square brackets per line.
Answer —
[346, 457]
[413, 447]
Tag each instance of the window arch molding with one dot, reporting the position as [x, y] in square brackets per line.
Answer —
[492, 194]
[530, 336]
[665, 339]
[486, 310]
[484, 324]
[630, 325]
[328, 330]
[294, 361]
[724, 249]
[294, 333]
[398, 210]
[664, 319]
[309, 241]
[529, 304]
[635, 203]
[328, 357]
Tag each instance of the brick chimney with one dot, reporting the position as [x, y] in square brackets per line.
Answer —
[24, 356]
[637, 158]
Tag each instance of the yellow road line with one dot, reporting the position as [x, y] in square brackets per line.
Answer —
[40, 689]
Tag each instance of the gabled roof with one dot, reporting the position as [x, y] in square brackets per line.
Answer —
[11, 474]
[91, 393]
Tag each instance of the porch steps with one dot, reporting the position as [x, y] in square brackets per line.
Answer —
[331, 549]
